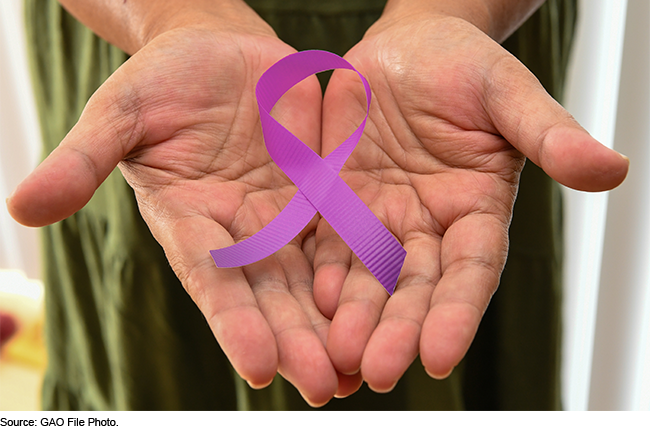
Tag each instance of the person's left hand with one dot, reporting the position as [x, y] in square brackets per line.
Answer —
[452, 116]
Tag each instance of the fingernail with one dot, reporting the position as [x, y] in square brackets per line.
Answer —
[353, 372]
[438, 376]
[8, 201]
[11, 196]
[311, 403]
[383, 391]
[257, 386]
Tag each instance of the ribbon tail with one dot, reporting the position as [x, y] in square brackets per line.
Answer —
[280, 231]
[361, 230]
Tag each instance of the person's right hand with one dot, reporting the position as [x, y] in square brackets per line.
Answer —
[180, 119]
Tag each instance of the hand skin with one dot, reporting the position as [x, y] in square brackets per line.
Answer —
[452, 119]
[180, 120]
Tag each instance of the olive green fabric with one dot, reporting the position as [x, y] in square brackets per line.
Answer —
[123, 334]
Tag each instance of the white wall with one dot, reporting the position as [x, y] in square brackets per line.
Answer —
[19, 139]
[620, 376]
[607, 268]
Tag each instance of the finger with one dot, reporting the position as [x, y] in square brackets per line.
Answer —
[528, 117]
[309, 247]
[395, 342]
[348, 385]
[224, 296]
[360, 306]
[300, 329]
[332, 261]
[66, 180]
[473, 254]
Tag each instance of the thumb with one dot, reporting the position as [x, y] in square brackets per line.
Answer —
[66, 180]
[533, 122]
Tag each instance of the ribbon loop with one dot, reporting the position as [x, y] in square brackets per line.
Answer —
[320, 187]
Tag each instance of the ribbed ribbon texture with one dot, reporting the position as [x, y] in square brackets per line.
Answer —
[320, 189]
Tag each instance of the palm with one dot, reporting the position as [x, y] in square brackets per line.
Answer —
[202, 158]
[435, 167]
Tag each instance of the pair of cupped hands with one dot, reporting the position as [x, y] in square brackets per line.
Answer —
[452, 120]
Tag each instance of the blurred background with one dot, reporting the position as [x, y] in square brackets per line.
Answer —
[22, 354]
[606, 352]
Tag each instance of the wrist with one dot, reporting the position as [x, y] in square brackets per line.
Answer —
[228, 16]
[131, 25]
[496, 18]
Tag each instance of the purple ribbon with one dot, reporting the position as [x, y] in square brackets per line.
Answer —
[319, 186]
